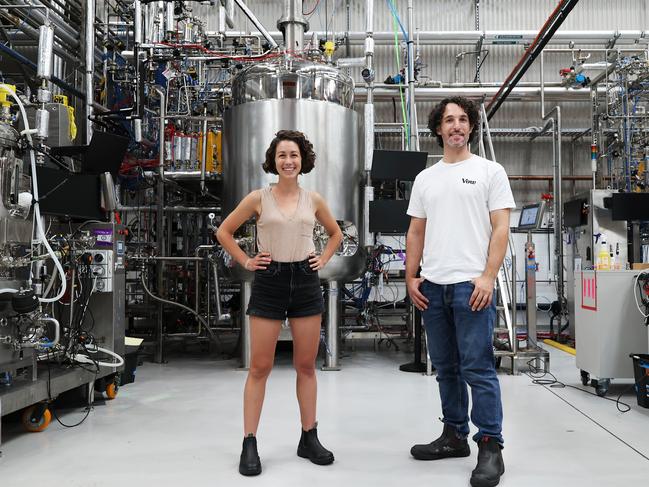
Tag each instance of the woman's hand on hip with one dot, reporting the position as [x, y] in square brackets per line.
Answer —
[258, 262]
[316, 262]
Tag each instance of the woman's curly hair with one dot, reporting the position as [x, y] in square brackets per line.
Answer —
[306, 151]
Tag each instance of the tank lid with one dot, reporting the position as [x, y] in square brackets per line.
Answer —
[290, 78]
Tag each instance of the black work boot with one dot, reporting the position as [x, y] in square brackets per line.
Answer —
[311, 448]
[490, 464]
[449, 445]
[249, 464]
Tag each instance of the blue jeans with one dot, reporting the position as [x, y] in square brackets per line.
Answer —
[460, 343]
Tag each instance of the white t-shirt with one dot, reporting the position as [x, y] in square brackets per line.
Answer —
[456, 200]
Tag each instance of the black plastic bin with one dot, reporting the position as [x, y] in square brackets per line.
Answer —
[130, 365]
[641, 373]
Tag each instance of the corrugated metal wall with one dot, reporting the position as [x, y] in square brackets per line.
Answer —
[519, 156]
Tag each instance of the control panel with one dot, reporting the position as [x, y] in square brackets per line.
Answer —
[103, 269]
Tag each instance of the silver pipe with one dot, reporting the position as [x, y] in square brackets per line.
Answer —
[331, 327]
[369, 122]
[187, 308]
[229, 13]
[204, 150]
[62, 29]
[517, 94]
[246, 290]
[346, 62]
[161, 21]
[159, 224]
[513, 339]
[161, 129]
[169, 20]
[257, 23]
[542, 80]
[89, 34]
[45, 45]
[487, 130]
[32, 33]
[197, 280]
[294, 25]
[413, 141]
[217, 292]
[179, 258]
[57, 334]
[558, 199]
[521, 37]
[137, 27]
[172, 209]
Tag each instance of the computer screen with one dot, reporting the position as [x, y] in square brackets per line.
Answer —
[69, 195]
[530, 217]
[402, 165]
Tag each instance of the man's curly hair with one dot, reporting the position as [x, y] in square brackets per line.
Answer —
[306, 151]
[469, 107]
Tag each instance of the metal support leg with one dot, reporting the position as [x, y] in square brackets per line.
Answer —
[246, 288]
[331, 332]
[91, 394]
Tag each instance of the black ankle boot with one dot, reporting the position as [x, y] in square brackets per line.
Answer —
[490, 464]
[249, 464]
[446, 446]
[311, 448]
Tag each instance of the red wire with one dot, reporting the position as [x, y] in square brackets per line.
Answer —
[312, 10]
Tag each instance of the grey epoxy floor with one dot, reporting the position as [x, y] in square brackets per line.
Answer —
[180, 424]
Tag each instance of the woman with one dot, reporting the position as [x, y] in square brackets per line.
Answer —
[286, 285]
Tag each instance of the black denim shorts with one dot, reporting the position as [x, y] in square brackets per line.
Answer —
[286, 290]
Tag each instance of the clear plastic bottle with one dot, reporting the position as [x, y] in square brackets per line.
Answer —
[603, 257]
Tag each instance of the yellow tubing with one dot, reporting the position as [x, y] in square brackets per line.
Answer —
[560, 346]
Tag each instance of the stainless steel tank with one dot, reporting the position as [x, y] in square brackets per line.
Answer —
[317, 100]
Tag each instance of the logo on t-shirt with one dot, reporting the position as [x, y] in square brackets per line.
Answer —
[467, 181]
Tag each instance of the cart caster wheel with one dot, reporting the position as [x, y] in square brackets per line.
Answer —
[585, 378]
[35, 421]
[601, 386]
[111, 391]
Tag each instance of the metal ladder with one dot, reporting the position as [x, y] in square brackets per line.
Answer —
[506, 280]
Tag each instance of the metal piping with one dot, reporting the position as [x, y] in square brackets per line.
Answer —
[257, 23]
[187, 308]
[29, 64]
[546, 33]
[348, 62]
[89, 44]
[197, 285]
[31, 14]
[161, 128]
[137, 22]
[505, 37]
[517, 94]
[32, 33]
[554, 118]
[293, 24]
[413, 142]
[246, 291]
[172, 209]
[204, 150]
[217, 291]
[368, 119]
[331, 327]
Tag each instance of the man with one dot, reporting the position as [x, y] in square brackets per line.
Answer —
[459, 233]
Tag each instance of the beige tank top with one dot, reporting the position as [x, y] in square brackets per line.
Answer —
[288, 238]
